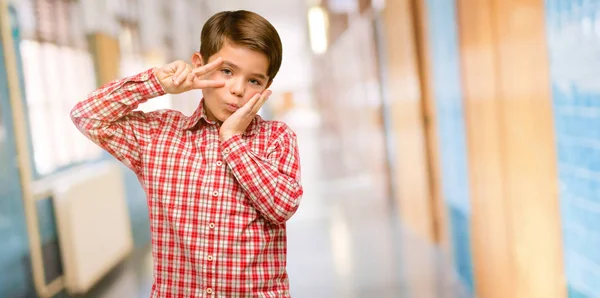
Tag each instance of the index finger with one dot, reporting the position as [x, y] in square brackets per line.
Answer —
[204, 84]
[208, 67]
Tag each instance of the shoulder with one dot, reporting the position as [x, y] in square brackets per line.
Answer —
[275, 134]
[275, 129]
[166, 114]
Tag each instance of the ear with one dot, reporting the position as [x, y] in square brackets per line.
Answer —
[197, 60]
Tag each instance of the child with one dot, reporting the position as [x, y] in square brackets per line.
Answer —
[222, 183]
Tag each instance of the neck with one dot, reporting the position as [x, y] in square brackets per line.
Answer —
[209, 114]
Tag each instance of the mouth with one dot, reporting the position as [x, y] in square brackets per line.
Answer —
[232, 108]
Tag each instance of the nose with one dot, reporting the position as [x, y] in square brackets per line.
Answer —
[237, 87]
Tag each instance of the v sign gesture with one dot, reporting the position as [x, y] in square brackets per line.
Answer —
[239, 121]
[178, 77]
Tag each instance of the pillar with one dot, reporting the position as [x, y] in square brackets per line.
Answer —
[516, 238]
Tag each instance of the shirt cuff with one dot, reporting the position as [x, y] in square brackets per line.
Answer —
[145, 83]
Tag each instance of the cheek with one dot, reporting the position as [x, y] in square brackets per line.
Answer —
[211, 96]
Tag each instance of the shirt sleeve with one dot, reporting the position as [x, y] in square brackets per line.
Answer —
[273, 182]
[107, 117]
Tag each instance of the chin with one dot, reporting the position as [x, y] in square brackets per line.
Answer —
[222, 116]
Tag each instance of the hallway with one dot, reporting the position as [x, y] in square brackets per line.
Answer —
[449, 148]
[344, 241]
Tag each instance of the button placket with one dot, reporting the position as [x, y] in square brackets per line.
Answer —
[215, 163]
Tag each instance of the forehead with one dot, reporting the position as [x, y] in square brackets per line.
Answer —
[244, 58]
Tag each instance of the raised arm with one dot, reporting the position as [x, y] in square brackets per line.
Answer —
[107, 116]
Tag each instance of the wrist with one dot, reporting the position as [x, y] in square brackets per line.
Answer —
[158, 75]
[224, 136]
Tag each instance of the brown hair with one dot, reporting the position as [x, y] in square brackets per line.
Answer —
[242, 28]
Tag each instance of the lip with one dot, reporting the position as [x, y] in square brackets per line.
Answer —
[231, 108]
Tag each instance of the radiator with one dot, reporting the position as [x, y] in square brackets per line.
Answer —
[93, 224]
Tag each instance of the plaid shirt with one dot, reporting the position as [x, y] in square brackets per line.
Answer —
[217, 209]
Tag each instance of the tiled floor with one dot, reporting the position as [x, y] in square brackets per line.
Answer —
[343, 242]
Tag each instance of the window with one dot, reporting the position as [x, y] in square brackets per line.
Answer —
[58, 72]
[134, 61]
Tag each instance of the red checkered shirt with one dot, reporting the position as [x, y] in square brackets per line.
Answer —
[218, 210]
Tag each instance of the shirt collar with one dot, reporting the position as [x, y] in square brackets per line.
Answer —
[199, 117]
[199, 114]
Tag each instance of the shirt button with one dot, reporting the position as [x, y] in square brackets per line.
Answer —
[226, 150]
[215, 193]
[219, 163]
[209, 258]
[209, 291]
[211, 225]
[144, 77]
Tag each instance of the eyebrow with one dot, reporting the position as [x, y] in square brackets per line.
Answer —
[232, 65]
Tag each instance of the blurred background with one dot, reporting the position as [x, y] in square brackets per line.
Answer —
[450, 148]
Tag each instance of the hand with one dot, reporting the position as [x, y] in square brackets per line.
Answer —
[240, 119]
[178, 77]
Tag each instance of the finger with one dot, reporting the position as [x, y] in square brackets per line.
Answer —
[261, 101]
[175, 66]
[183, 75]
[252, 102]
[204, 84]
[247, 107]
[180, 68]
[170, 68]
[200, 71]
[189, 81]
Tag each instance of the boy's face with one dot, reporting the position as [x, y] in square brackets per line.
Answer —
[244, 72]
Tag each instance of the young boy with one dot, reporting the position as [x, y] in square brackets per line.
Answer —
[222, 183]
